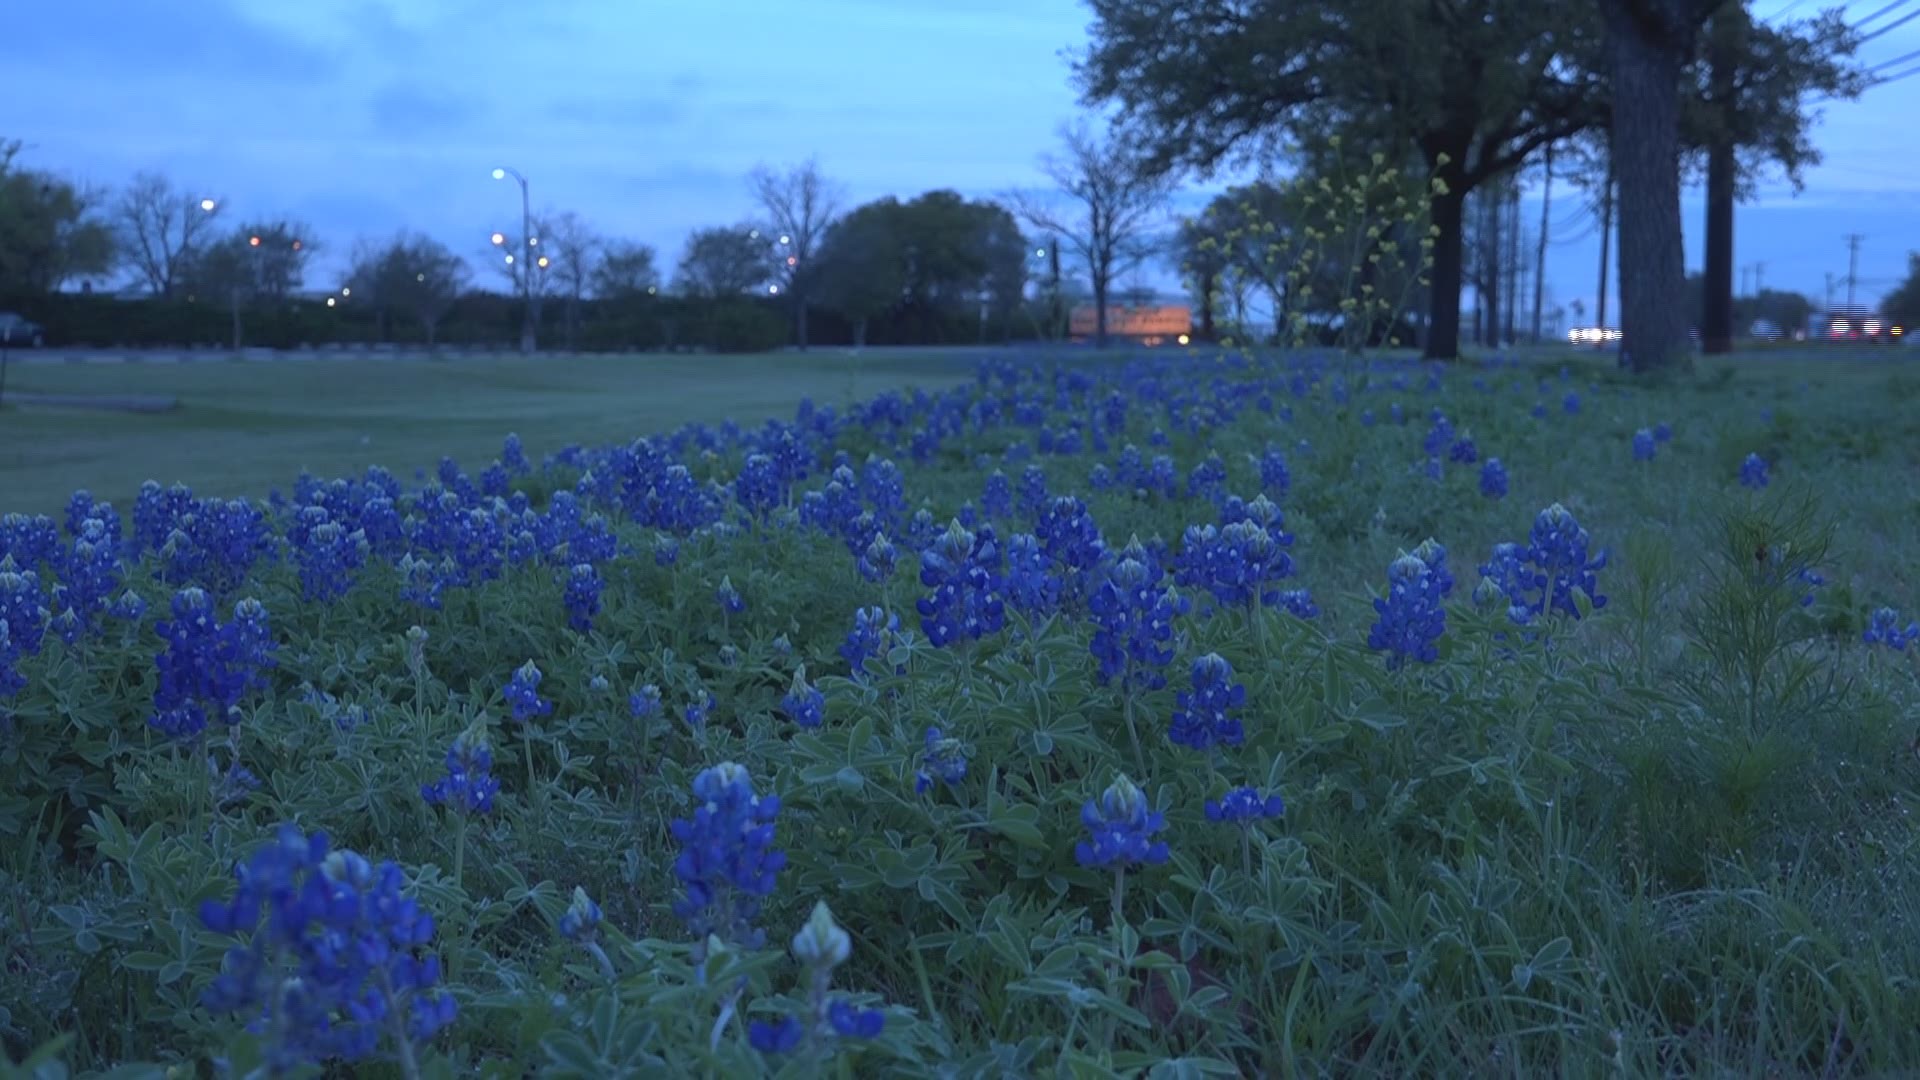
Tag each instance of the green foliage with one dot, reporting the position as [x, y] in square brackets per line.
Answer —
[1667, 839]
[1904, 302]
[49, 231]
[724, 262]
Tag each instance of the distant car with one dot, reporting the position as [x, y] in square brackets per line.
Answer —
[19, 330]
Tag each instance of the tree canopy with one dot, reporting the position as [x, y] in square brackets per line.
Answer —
[50, 232]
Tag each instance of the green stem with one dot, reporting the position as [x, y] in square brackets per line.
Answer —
[926, 987]
[396, 1017]
[1133, 730]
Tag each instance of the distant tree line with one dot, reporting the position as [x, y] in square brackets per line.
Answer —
[1390, 140]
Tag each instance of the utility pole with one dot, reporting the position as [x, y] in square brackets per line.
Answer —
[1853, 266]
[1606, 238]
[1746, 280]
[1540, 248]
[1829, 304]
[1759, 279]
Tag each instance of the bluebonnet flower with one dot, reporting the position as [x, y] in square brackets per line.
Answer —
[580, 923]
[469, 785]
[1244, 806]
[582, 596]
[1434, 554]
[1397, 413]
[780, 1036]
[1297, 601]
[804, 704]
[326, 553]
[1120, 829]
[1133, 618]
[729, 597]
[996, 501]
[1366, 418]
[523, 694]
[1237, 565]
[1506, 579]
[1557, 548]
[330, 958]
[1885, 629]
[1033, 492]
[727, 863]
[644, 703]
[1643, 445]
[1274, 477]
[208, 666]
[666, 550]
[1570, 404]
[90, 571]
[513, 456]
[757, 487]
[1493, 479]
[944, 760]
[1663, 432]
[1539, 410]
[1205, 717]
[877, 561]
[1438, 437]
[1753, 472]
[697, 710]
[963, 570]
[1463, 451]
[1411, 619]
[1433, 469]
[853, 1023]
[23, 611]
[1031, 586]
[1813, 580]
[1208, 479]
[875, 632]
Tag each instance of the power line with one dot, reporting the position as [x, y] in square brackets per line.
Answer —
[1894, 25]
[1895, 77]
[1884, 65]
[1896, 5]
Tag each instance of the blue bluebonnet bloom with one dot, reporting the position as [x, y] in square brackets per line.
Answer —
[758, 487]
[1031, 585]
[1463, 451]
[1506, 579]
[1434, 469]
[729, 597]
[1493, 479]
[1274, 477]
[580, 923]
[1208, 480]
[644, 703]
[331, 954]
[781, 1036]
[666, 550]
[727, 862]
[804, 704]
[1411, 619]
[1204, 718]
[1071, 539]
[1643, 445]
[1120, 829]
[1434, 554]
[1570, 404]
[513, 456]
[523, 694]
[469, 786]
[1753, 472]
[208, 666]
[1238, 564]
[90, 571]
[944, 760]
[850, 1022]
[1133, 615]
[582, 596]
[1539, 410]
[326, 553]
[1244, 806]
[996, 500]
[1884, 629]
[1558, 550]
[1813, 580]
[1033, 492]
[1438, 437]
[963, 569]
[23, 613]
[877, 561]
[1663, 432]
[1299, 602]
[697, 710]
[875, 632]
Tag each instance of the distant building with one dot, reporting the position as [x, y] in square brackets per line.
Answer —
[1145, 324]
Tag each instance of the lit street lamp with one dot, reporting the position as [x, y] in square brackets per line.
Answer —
[527, 341]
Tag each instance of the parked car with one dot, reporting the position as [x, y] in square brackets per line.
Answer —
[19, 330]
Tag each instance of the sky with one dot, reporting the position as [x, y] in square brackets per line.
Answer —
[362, 117]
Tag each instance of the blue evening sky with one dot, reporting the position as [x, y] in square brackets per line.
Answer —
[644, 116]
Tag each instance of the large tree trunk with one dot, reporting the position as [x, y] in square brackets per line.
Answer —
[1716, 316]
[1493, 198]
[1447, 210]
[1645, 56]
[1206, 283]
[1099, 309]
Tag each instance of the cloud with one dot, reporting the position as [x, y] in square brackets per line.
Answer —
[113, 40]
[407, 110]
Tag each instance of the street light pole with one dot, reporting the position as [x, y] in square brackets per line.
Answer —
[528, 343]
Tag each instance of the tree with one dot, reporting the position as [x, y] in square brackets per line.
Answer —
[1117, 202]
[1649, 44]
[49, 231]
[862, 265]
[625, 270]
[1475, 87]
[411, 274]
[1903, 303]
[260, 260]
[1747, 109]
[162, 229]
[572, 248]
[723, 262]
[800, 205]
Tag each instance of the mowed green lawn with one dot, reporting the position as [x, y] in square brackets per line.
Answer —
[247, 427]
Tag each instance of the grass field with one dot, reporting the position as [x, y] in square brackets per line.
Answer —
[1518, 812]
[244, 428]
